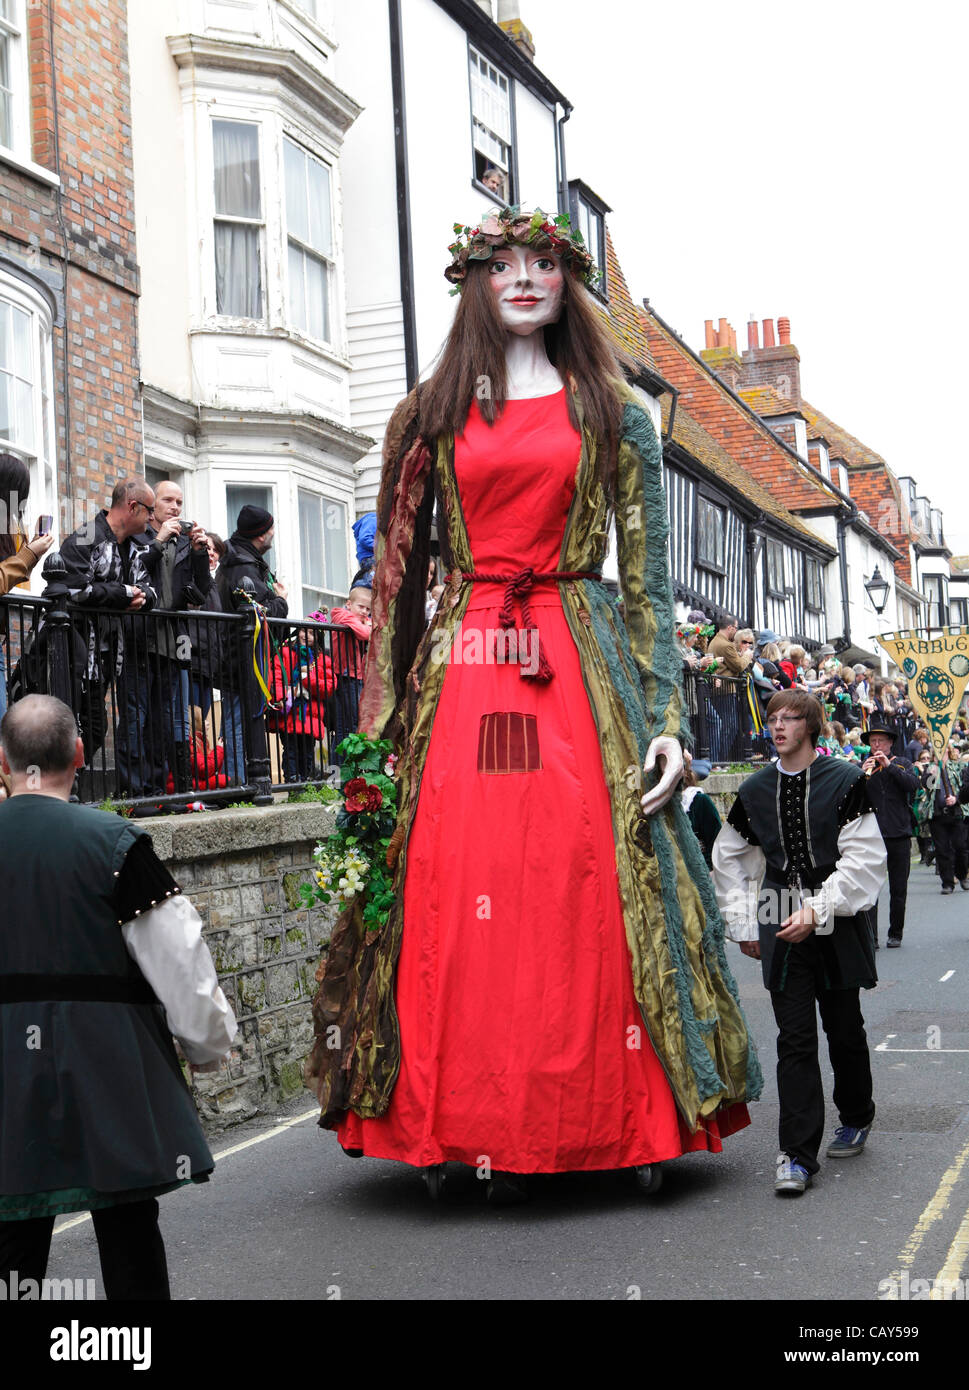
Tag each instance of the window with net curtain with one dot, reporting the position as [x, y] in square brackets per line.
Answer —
[239, 495]
[323, 551]
[25, 395]
[309, 241]
[238, 219]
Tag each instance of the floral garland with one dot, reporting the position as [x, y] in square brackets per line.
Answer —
[695, 629]
[514, 226]
[352, 861]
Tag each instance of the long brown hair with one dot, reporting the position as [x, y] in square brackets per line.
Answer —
[472, 365]
[14, 488]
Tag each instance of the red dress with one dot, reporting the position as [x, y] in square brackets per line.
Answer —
[521, 1038]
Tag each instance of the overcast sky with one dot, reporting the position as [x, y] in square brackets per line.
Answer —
[798, 159]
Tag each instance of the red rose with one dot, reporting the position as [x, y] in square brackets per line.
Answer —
[375, 799]
[355, 794]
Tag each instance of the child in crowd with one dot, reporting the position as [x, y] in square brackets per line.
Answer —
[349, 651]
[701, 809]
[302, 676]
[855, 748]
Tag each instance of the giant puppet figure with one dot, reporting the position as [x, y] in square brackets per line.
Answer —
[550, 992]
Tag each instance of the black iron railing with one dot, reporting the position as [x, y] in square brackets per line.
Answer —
[176, 707]
[719, 716]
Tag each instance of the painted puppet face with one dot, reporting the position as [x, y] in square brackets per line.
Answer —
[528, 287]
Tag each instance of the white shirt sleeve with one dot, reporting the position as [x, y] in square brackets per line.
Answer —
[860, 875]
[166, 944]
[738, 868]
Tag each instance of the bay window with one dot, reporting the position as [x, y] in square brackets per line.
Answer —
[238, 219]
[14, 86]
[323, 551]
[309, 230]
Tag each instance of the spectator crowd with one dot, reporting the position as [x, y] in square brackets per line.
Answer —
[867, 719]
[161, 682]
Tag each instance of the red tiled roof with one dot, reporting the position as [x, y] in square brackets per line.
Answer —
[714, 458]
[876, 491]
[841, 444]
[748, 442]
[622, 315]
[768, 401]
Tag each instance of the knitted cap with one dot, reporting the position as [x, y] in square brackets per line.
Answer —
[253, 521]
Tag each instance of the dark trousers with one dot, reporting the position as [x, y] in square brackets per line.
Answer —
[298, 757]
[899, 849]
[799, 1087]
[346, 712]
[951, 848]
[133, 1264]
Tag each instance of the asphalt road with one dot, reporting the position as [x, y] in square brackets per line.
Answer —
[291, 1217]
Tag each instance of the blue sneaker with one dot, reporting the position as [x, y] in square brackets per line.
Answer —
[792, 1177]
[847, 1141]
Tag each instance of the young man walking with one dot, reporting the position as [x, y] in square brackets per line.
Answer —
[796, 869]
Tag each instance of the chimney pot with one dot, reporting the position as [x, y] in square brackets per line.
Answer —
[733, 336]
[753, 336]
[708, 333]
[723, 333]
[783, 331]
[769, 333]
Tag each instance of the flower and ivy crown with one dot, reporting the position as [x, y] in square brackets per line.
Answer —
[516, 226]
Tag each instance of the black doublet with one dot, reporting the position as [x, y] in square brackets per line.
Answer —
[796, 820]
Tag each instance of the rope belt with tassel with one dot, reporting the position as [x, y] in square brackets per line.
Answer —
[519, 586]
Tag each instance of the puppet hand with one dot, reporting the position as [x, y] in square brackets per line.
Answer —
[751, 948]
[672, 755]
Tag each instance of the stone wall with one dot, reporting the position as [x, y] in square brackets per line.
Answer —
[242, 869]
[723, 788]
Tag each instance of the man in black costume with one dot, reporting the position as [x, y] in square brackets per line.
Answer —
[805, 827]
[101, 962]
[245, 559]
[892, 784]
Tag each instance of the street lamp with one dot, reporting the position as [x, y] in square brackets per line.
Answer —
[877, 590]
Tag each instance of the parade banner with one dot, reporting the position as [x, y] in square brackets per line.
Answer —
[936, 668]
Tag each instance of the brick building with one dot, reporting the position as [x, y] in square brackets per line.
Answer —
[896, 529]
[69, 389]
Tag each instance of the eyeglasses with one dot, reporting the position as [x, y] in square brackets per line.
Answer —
[776, 719]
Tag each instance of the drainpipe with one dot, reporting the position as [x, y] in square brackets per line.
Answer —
[754, 542]
[403, 194]
[844, 517]
[674, 393]
[560, 159]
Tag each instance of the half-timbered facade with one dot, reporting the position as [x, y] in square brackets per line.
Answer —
[734, 547]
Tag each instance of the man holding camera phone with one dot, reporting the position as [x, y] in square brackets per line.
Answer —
[155, 725]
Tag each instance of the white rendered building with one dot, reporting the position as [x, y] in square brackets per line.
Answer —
[237, 129]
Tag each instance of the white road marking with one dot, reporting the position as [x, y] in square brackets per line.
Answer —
[947, 976]
[223, 1153]
[883, 1046]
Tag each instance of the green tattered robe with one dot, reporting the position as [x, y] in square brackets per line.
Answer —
[632, 675]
